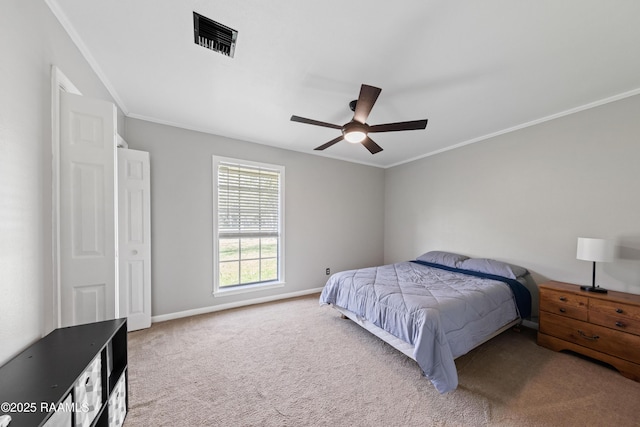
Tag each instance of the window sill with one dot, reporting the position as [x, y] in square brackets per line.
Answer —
[246, 289]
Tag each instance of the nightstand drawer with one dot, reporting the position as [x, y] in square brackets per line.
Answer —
[564, 304]
[605, 340]
[615, 315]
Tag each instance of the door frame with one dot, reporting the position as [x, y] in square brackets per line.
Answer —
[59, 82]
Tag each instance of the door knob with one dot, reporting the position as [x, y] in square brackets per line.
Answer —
[134, 252]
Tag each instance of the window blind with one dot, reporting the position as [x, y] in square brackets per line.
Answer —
[248, 201]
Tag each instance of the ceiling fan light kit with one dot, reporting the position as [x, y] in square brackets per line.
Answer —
[354, 132]
[357, 130]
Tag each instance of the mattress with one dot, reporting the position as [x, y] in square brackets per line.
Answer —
[440, 314]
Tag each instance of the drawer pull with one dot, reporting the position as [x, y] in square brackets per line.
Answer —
[562, 310]
[620, 324]
[587, 337]
[563, 298]
[618, 310]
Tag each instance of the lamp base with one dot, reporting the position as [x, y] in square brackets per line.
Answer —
[593, 289]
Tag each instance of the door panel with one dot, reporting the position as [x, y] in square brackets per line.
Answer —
[88, 219]
[134, 228]
[89, 303]
[135, 278]
[88, 206]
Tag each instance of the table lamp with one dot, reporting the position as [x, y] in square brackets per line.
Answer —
[596, 250]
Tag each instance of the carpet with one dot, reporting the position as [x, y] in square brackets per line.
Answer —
[295, 363]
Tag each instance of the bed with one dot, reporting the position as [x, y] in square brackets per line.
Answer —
[434, 308]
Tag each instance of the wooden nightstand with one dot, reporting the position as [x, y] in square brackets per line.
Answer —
[605, 327]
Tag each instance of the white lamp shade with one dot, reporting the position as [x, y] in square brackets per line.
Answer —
[599, 250]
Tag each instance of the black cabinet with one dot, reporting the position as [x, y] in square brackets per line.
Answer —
[75, 376]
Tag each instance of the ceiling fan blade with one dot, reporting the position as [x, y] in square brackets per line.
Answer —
[314, 122]
[368, 97]
[329, 144]
[392, 127]
[371, 146]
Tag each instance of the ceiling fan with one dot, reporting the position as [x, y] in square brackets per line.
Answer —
[357, 130]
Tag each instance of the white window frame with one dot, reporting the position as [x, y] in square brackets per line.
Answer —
[238, 289]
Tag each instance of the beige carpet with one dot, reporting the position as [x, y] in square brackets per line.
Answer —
[294, 363]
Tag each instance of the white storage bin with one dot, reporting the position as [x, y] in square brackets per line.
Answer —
[61, 418]
[88, 393]
[118, 403]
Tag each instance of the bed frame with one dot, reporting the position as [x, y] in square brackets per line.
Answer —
[397, 343]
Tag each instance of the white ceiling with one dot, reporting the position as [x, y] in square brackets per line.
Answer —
[473, 68]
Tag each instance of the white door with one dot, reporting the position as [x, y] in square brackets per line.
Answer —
[88, 207]
[134, 237]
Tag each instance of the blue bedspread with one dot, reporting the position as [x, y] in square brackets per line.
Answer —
[442, 313]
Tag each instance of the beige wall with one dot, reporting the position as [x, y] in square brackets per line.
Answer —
[525, 197]
[334, 215]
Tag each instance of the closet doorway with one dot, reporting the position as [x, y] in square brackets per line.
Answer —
[102, 248]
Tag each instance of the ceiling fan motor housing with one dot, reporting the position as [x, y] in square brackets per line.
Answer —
[355, 131]
[355, 126]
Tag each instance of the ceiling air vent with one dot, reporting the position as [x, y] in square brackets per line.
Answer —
[214, 36]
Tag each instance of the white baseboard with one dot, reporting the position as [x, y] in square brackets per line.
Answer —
[530, 324]
[220, 307]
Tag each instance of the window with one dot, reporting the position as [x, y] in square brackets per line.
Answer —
[248, 200]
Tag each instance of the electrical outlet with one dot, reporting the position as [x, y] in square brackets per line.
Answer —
[327, 271]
